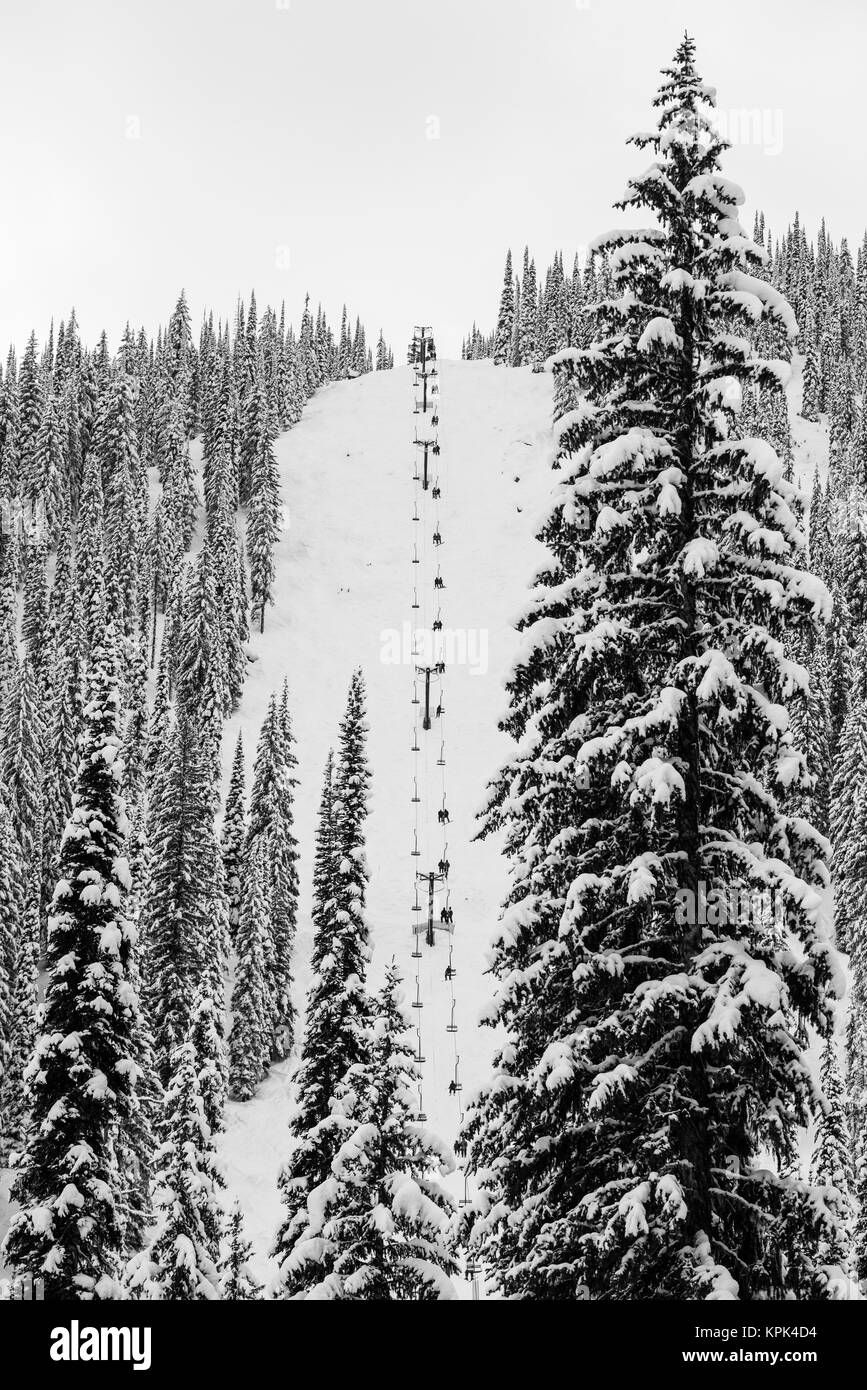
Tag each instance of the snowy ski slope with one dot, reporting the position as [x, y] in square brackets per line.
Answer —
[344, 590]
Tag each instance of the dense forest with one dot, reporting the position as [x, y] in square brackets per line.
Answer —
[676, 1108]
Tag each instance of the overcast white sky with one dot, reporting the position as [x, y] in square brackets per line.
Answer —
[298, 130]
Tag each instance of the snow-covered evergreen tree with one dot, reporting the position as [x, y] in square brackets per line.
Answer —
[23, 1023]
[18, 995]
[9, 914]
[527, 326]
[139, 1139]
[202, 673]
[180, 1262]
[251, 1032]
[206, 1035]
[351, 791]
[809, 406]
[89, 554]
[181, 914]
[22, 748]
[226, 567]
[125, 488]
[336, 1035]
[377, 1227]
[638, 1137]
[848, 796]
[505, 318]
[233, 836]
[272, 823]
[69, 1186]
[237, 1284]
[264, 522]
[831, 1163]
[324, 864]
[34, 622]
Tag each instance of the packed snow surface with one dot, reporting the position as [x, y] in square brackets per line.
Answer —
[344, 589]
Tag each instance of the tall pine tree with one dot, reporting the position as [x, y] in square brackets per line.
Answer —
[70, 1228]
[639, 1136]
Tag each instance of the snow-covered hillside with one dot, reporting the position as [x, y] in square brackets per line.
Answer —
[344, 583]
[343, 589]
